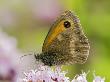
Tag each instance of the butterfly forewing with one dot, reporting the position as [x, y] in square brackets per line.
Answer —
[56, 29]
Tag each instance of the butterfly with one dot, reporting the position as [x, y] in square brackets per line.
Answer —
[65, 42]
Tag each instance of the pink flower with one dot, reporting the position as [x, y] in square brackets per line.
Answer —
[47, 74]
[8, 58]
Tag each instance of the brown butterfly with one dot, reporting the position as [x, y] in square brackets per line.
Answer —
[65, 43]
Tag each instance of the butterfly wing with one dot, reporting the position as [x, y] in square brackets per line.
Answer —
[56, 29]
[65, 42]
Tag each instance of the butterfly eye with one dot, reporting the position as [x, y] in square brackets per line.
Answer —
[67, 24]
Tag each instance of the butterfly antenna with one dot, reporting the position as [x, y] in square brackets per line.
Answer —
[25, 55]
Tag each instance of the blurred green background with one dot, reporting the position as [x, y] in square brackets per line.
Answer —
[29, 21]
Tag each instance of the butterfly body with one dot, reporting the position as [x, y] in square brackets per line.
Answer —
[65, 43]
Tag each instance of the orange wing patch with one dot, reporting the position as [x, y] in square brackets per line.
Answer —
[54, 33]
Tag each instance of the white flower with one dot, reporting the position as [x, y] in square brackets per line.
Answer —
[98, 79]
[80, 78]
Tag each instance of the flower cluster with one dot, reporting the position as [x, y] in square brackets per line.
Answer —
[46, 74]
[8, 58]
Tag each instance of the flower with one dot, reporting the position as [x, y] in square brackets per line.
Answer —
[80, 78]
[98, 79]
[8, 58]
[47, 74]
